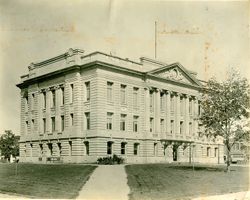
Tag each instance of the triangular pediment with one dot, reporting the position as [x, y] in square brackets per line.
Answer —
[175, 72]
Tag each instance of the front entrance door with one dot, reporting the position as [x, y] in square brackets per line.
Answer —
[175, 148]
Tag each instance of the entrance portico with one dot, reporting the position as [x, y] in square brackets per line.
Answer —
[176, 147]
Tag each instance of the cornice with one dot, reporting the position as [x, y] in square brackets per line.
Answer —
[144, 75]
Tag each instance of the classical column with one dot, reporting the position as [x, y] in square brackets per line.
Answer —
[177, 114]
[40, 112]
[47, 111]
[57, 108]
[147, 110]
[195, 116]
[157, 113]
[186, 119]
[78, 104]
[168, 120]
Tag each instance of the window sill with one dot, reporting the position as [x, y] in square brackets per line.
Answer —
[86, 102]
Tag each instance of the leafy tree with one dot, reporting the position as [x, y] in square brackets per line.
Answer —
[225, 110]
[9, 144]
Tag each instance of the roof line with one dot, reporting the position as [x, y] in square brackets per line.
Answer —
[109, 55]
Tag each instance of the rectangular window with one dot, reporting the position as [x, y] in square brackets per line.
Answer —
[26, 126]
[50, 147]
[109, 148]
[87, 86]
[109, 91]
[31, 150]
[109, 120]
[123, 122]
[155, 149]
[172, 103]
[215, 152]
[135, 123]
[53, 124]
[136, 148]
[86, 147]
[172, 126]
[123, 148]
[202, 152]
[135, 97]
[62, 96]
[53, 95]
[162, 103]
[208, 151]
[123, 94]
[32, 101]
[41, 149]
[59, 149]
[71, 93]
[151, 96]
[44, 100]
[151, 124]
[44, 125]
[62, 123]
[87, 115]
[181, 127]
[190, 128]
[70, 148]
[71, 119]
[32, 125]
[162, 126]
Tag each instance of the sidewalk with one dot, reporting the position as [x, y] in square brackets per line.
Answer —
[108, 182]
[8, 196]
[233, 196]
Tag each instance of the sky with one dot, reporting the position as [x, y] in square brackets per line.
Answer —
[208, 37]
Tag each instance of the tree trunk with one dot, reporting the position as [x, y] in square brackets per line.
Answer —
[228, 159]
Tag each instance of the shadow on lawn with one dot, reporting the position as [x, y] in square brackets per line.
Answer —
[200, 168]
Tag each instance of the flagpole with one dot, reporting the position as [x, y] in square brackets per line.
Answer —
[155, 39]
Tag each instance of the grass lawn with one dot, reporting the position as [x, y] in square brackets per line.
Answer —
[162, 181]
[44, 181]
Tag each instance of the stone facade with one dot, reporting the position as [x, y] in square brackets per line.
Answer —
[76, 108]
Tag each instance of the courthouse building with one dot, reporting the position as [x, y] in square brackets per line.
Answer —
[76, 108]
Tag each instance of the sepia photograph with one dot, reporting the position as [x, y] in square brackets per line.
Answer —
[124, 100]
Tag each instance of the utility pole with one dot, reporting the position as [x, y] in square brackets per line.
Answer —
[155, 39]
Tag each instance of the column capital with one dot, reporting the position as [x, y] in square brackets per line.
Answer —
[57, 87]
[193, 97]
[188, 96]
[157, 90]
[178, 94]
[44, 90]
[182, 95]
[167, 91]
[61, 85]
[173, 93]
